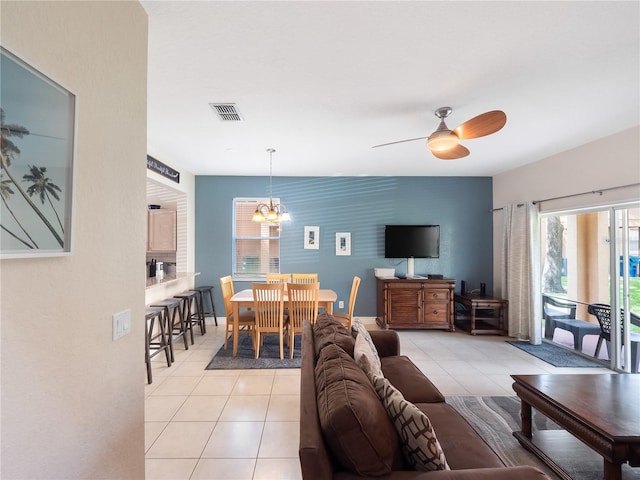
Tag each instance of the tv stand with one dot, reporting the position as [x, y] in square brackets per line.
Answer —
[418, 303]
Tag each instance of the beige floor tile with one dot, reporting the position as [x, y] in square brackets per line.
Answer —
[249, 408]
[280, 440]
[189, 369]
[278, 469]
[176, 386]
[159, 408]
[234, 440]
[287, 372]
[215, 385]
[152, 431]
[169, 468]
[284, 408]
[182, 440]
[201, 408]
[253, 385]
[224, 469]
[201, 354]
[448, 385]
[286, 385]
[480, 385]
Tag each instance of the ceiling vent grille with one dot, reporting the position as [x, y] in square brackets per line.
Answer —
[226, 112]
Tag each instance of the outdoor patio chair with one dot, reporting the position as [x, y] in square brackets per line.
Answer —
[603, 313]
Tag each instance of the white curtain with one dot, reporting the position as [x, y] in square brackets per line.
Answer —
[520, 271]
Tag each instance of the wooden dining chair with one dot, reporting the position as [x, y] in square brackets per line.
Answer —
[303, 305]
[268, 305]
[347, 317]
[304, 277]
[247, 320]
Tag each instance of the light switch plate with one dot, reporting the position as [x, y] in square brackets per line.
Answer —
[121, 323]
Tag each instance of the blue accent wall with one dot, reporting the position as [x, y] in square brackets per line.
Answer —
[361, 206]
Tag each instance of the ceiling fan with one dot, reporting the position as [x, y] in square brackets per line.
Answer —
[445, 143]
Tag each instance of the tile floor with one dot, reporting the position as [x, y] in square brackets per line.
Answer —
[243, 424]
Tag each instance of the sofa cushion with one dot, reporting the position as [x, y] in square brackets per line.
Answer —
[327, 330]
[357, 329]
[365, 358]
[409, 379]
[465, 449]
[354, 423]
[418, 439]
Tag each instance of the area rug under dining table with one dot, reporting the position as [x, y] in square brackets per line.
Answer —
[245, 359]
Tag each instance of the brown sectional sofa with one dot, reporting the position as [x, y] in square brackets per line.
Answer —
[345, 432]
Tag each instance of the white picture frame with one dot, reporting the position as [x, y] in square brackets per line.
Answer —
[343, 243]
[39, 132]
[311, 238]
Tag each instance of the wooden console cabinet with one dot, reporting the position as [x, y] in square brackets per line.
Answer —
[415, 303]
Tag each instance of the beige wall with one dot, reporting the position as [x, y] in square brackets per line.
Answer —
[72, 398]
[605, 163]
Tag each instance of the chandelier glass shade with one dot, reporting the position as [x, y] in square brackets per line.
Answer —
[271, 212]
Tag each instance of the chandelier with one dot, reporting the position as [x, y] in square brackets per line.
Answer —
[272, 213]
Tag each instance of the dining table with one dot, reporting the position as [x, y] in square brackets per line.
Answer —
[244, 299]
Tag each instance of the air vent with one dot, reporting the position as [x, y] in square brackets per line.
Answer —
[227, 112]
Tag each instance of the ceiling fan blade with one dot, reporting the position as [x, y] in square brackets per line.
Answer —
[458, 151]
[484, 124]
[399, 141]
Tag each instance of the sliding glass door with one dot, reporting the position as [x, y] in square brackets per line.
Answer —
[591, 257]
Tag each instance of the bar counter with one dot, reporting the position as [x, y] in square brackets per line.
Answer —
[170, 278]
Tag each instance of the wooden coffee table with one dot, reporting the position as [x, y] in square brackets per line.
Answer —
[602, 411]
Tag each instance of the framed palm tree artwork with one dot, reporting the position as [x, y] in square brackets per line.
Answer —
[37, 118]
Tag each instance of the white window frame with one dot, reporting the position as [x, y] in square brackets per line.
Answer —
[267, 236]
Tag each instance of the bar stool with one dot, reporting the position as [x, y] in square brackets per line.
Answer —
[190, 310]
[204, 289]
[197, 314]
[155, 342]
[176, 329]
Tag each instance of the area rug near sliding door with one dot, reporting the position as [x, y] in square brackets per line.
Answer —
[555, 355]
[496, 418]
[245, 359]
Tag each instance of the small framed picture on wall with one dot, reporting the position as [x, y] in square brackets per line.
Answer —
[312, 238]
[343, 243]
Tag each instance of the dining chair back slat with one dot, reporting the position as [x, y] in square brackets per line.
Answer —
[304, 277]
[278, 277]
[268, 301]
[303, 305]
[347, 317]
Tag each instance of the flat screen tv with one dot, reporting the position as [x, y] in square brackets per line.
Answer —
[418, 241]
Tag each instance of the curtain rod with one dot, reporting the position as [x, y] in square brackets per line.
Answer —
[599, 191]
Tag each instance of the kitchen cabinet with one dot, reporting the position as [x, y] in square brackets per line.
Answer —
[161, 230]
[415, 303]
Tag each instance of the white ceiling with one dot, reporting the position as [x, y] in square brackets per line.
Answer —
[322, 82]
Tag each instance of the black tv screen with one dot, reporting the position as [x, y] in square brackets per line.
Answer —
[418, 241]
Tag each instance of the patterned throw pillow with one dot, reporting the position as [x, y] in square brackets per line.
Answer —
[359, 329]
[418, 441]
[365, 358]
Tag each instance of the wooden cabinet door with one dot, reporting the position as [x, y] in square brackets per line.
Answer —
[404, 304]
[161, 231]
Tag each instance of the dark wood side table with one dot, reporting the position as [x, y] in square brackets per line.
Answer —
[485, 315]
[600, 410]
